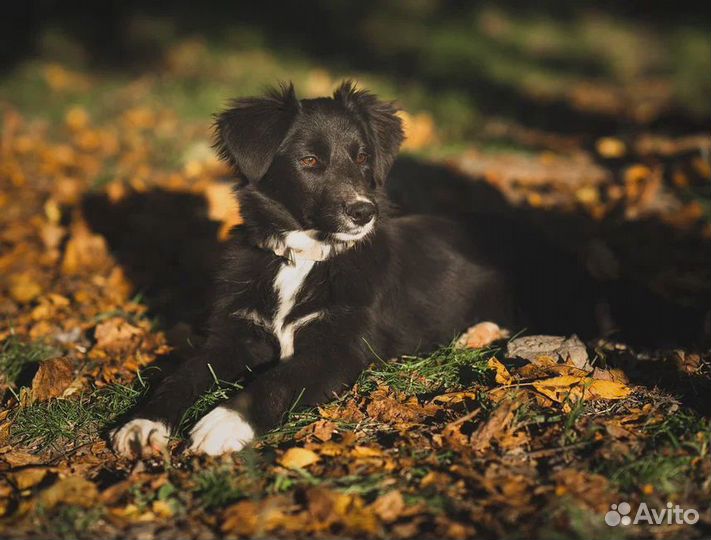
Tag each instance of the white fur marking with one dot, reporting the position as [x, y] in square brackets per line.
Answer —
[356, 234]
[254, 317]
[287, 284]
[360, 198]
[286, 336]
[140, 437]
[221, 430]
[305, 245]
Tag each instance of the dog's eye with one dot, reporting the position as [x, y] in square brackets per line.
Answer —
[361, 158]
[309, 161]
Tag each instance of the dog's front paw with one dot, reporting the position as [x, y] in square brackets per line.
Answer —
[140, 438]
[222, 430]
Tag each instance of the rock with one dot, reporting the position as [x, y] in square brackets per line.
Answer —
[564, 350]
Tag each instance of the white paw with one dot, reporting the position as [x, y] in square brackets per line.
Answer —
[140, 438]
[220, 431]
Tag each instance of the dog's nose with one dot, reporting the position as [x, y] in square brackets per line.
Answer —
[360, 212]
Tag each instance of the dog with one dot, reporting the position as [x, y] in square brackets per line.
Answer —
[321, 277]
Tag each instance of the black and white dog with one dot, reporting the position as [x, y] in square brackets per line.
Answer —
[319, 279]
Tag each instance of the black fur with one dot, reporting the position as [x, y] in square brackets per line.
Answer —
[412, 284]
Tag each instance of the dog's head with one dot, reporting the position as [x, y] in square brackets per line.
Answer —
[324, 159]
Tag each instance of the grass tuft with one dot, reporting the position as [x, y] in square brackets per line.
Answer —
[58, 422]
[219, 392]
[15, 355]
[216, 487]
[450, 368]
[69, 522]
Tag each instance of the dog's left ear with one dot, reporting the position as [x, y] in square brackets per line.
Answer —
[379, 117]
[249, 134]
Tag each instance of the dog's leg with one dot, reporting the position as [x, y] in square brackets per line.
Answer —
[152, 423]
[304, 380]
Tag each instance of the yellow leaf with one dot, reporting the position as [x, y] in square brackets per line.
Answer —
[574, 387]
[298, 458]
[23, 288]
[454, 397]
[609, 147]
[599, 389]
[502, 374]
[28, 478]
[72, 490]
[365, 452]
[162, 509]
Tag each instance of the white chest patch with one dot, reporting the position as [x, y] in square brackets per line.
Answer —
[287, 284]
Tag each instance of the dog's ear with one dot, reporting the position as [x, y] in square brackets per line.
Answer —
[249, 134]
[379, 117]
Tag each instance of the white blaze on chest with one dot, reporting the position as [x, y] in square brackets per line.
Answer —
[287, 284]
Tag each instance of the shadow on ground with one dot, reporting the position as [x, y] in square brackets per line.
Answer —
[168, 247]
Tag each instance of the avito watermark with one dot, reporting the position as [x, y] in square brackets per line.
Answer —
[672, 514]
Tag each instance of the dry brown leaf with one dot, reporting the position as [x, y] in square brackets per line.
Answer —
[389, 406]
[350, 413]
[72, 490]
[24, 288]
[455, 397]
[18, 458]
[28, 478]
[570, 388]
[361, 452]
[389, 506]
[502, 374]
[241, 518]
[53, 377]
[116, 334]
[589, 488]
[85, 251]
[497, 422]
[322, 429]
[481, 335]
[298, 458]
[609, 147]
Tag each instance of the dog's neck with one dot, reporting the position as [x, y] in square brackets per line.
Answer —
[303, 245]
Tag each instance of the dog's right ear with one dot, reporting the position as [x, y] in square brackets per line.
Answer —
[249, 134]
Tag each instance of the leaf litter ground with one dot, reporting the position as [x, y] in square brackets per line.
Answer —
[112, 216]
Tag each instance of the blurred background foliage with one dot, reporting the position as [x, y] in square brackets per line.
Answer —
[592, 116]
[589, 68]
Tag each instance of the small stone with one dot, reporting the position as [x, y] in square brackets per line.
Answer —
[565, 350]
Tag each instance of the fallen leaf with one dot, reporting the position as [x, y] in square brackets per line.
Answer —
[502, 374]
[496, 423]
[24, 288]
[162, 509]
[389, 506]
[72, 490]
[116, 334]
[570, 388]
[84, 251]
[53, 377]
[28, 478]
[482, 335]
[360, 452]
[455, 397]
[609, 147]
[241, 518]
[298, 458]
[389, 406]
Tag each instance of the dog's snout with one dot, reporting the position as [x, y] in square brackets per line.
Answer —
[360, 212]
